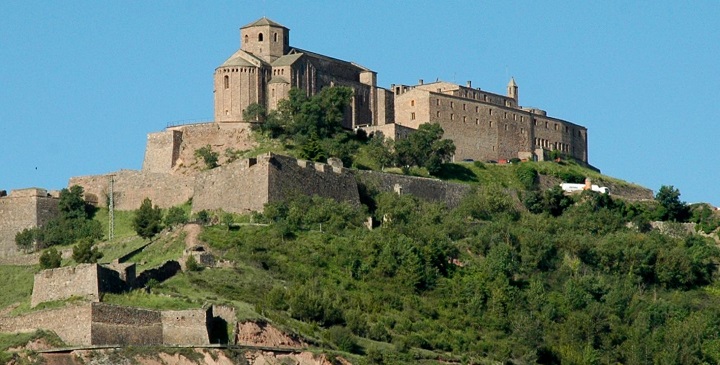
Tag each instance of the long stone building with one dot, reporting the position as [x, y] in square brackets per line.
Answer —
[488, 126]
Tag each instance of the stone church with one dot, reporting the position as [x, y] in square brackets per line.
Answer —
[266, 67]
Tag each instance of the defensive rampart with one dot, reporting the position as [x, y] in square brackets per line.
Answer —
[173, 150]
[186, 327]
[238, 187]
[107, 324]
[21, 209]
[131, 187]
[427, 189]
[87, 281]
[116, 325]
[71, 323]
[288, 177]
[247, 185]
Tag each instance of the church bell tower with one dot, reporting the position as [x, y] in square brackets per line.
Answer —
[265, 39]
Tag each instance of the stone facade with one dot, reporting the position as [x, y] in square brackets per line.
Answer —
[432, 190]
[125, 326]
[101, 324]
[131, 187]
[21, 209]
[72, 323]
[173, 150]
[247, 185]
[486, 126]
[185, 326]
[86, 281]
[265, 68]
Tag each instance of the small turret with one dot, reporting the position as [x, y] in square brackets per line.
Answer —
[512, 90]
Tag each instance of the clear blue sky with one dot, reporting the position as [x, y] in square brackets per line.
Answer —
[83, 82]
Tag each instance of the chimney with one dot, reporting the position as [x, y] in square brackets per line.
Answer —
[469, 84]
[420, 82]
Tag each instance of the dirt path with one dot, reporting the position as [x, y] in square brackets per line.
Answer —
[192, 231]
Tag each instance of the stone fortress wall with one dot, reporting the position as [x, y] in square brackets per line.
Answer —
[71, 323]
[432, 190]
[89, 324]
[86, 281]
[21, 209]
[131, 187]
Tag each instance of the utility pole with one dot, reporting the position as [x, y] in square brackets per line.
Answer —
[111, 210]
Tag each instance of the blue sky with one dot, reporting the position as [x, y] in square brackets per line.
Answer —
[83, 82]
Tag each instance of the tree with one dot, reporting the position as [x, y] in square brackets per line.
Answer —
[25, 239]
[425, 148]
[254, 113]
[175, 216]
[71, 203]
[50, 258]
[320, 115]
[208, 155]
[671, 208]
[85, 252]
[148, 219]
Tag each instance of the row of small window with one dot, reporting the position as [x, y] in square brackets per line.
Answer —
[544, 143]
[260, 37]
[477, 109]
[241, 69]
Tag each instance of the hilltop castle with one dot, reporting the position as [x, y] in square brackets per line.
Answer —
[483, 125]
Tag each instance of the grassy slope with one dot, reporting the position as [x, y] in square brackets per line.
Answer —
[248, 282]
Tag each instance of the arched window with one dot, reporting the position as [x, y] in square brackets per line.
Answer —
[247, 39]
[260, 37]
[226, 81]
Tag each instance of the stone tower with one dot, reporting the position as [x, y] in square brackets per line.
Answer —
[265, 39]
[512, 90]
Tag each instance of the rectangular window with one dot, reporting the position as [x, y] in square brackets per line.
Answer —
[437, 102]
[412, 116]
[412, 102]
[464, 106]
[437, 114]
[452, 116]
[452, 105]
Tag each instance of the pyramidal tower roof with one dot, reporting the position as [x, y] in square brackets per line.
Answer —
[264, 21]
[512, 82]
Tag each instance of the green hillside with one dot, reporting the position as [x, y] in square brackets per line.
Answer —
[518, 273]
[486, 281]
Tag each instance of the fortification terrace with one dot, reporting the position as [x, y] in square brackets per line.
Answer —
[21, 209]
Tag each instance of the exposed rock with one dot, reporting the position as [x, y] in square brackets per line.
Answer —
[263, 334]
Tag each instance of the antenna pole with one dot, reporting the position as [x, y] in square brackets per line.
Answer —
[111, 210]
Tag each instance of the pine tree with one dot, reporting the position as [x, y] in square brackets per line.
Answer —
[148, 219]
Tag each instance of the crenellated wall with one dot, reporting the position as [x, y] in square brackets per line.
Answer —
[247, 185]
